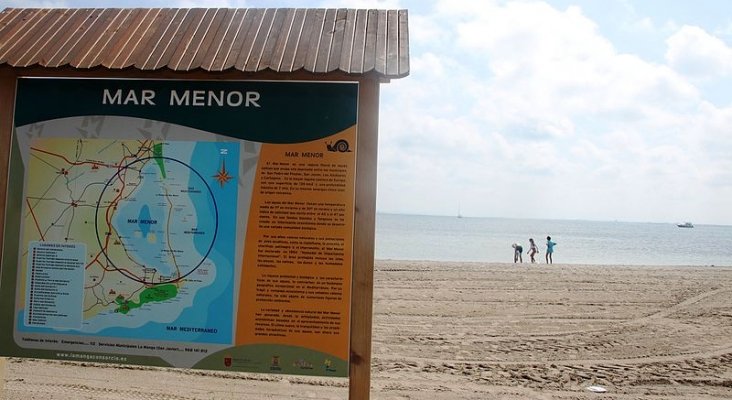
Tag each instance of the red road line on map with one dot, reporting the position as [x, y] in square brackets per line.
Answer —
[108, 221]
[107, 218]
[30, 208]
[67, 160]
[142, 145]
[107, 214]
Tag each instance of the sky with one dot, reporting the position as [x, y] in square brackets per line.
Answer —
[559, 109]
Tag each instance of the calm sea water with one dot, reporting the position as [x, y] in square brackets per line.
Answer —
[417, 237]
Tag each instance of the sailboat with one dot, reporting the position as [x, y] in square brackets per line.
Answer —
[458, 214]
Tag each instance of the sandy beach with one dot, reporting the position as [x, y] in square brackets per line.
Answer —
[482, 331]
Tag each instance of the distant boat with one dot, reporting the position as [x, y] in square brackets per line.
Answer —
[685, 225]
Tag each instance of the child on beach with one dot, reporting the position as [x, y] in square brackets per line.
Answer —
[533, 249]
[549, 249]
[517, 250]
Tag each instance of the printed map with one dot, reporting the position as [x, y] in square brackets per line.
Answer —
[157, 220]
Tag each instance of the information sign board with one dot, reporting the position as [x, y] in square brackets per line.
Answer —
[200, 224]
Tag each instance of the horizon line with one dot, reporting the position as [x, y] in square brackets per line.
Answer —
[546, 219]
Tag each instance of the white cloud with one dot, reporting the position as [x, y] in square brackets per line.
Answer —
[520, 97]
[549, 65]
[694, 52]
[423, 31]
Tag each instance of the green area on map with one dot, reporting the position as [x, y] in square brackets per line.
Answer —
[149, 295]
[158, 155]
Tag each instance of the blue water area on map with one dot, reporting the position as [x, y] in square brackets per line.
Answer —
[144, 216]
[220, 311]
[223, 254]
[219, 295]
[168, 207]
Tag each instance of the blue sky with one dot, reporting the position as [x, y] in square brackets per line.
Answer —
[600, 110]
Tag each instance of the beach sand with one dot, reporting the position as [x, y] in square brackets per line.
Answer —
[482, 331]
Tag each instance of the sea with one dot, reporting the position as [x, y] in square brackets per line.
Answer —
[449, 238]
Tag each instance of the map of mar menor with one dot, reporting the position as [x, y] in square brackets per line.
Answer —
[152, 224]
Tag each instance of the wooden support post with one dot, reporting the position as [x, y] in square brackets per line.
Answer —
[363, 253]
[3, 367]
[7, 99]
[7, 102]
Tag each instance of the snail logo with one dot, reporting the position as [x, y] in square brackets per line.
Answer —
[340, 146]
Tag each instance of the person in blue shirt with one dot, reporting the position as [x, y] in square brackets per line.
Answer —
[549, 249]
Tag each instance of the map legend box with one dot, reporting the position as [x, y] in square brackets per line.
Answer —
[55, 283]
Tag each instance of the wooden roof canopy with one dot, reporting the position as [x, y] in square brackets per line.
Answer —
[285, 40]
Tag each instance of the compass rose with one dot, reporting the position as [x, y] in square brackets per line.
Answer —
[222, 176]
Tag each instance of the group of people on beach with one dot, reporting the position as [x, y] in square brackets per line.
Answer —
[518, 251]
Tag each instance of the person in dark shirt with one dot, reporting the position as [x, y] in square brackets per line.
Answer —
[517, 251]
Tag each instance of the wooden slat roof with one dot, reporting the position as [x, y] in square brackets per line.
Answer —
[213, 39]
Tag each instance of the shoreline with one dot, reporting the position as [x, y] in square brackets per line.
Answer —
[557, 264]
[475, 330]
